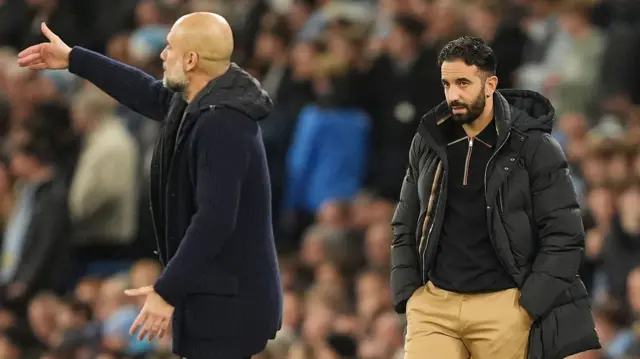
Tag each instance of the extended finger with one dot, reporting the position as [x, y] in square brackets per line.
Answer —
[29, 59]
[162, 332]
[35, 49]
[166, 322]
[147, 328]
[142, 317]
[139, 291]
[156, 327]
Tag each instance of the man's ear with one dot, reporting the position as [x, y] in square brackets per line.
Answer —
[190, 61]
[491, 85]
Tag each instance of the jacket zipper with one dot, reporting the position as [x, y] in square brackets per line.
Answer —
[426, 238]
[158, 251]
[467, 162]
[485, 193]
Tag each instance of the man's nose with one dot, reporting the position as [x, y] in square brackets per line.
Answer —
[453, 94]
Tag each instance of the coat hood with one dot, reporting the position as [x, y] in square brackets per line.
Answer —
[529, 110]
[236, 89]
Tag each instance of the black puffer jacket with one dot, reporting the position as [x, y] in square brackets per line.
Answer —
[532, 214]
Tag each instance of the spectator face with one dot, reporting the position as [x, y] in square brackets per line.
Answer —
[399, 43]
[41, 317]
[118, 48]
[618, 167]
[341, 50]
[88, 290]
[573, 125]
[571, 22]
[481, 21]
[600, 201]
[594, 169]
[378, 245]
[298, 14]
[302, 57]
[361, 211]
[629, 203]
[313, 250]
[64, 317]
[8, 350]
[328, 275]
[372, 294]
[147, 13]
[464, 89]
[334, 215]
[23, 165]
[268, 47]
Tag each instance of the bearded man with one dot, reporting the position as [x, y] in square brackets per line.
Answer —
[488, 236]
[210, 191]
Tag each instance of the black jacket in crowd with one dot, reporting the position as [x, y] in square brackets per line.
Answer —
[45, 257]
[211, 206]
[533, 219]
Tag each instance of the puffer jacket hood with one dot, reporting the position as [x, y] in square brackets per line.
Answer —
[236, 89]
[529, 110]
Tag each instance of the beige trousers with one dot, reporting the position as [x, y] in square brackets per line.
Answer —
[447, 325]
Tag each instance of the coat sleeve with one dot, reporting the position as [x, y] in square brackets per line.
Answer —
[128, 85]
[560, 230]
[405, 264]
[222, 153]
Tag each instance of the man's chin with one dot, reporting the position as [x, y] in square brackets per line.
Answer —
[462, 119]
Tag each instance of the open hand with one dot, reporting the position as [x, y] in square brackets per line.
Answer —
[155, 317]
[52, 55]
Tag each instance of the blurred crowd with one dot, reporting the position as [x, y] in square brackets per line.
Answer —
[350, 81]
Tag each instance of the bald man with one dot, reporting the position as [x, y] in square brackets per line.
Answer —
[210, 189]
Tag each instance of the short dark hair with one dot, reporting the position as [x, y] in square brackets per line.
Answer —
[473, 51]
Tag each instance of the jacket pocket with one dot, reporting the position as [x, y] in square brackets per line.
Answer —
[566, 330]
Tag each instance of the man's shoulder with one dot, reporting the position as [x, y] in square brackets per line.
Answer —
[225, 121]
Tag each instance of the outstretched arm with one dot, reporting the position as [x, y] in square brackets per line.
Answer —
[128, 85]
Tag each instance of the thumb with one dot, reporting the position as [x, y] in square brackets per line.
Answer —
[139, 291]
[48, 33]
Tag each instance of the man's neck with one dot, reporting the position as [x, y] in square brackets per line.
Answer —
[198, 82]
[474, 128]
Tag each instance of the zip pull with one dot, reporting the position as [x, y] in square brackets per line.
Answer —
[467, 163]
[500, 201]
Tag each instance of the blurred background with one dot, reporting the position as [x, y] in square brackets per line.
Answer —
[350, 81]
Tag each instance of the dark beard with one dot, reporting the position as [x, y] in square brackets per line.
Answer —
[473, 112]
